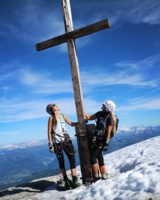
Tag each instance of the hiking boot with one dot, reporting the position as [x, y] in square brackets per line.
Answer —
[75, 182]
[61, 183]
[68, 183]
[96, 179]
[105, 176]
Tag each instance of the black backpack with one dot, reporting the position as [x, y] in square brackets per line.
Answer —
[100, 132]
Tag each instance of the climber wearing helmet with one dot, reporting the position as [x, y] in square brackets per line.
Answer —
[59, 142]
[105, 121]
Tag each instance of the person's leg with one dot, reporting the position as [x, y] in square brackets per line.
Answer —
[95, 165]
[103, 172]
[102, 166]
[73, 172]
[95, 170]
[63, 172]
[59, 153]
[103, 169]
[69, 150]
[60, 157]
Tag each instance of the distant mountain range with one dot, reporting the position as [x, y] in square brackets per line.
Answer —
[24, 162]
[131, 136]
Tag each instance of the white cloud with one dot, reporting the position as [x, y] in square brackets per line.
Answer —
[125, 73]
[20, 110]
[144, 12]
[34, 81]
[122, 11]
[40, 83]
[44, 84]
[131, 11]
[34, 23]
[147, 63]
[141, 104]
[117, 78]
[131, 73]
[10, 133]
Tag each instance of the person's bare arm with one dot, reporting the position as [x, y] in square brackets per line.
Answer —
[50, 129]
[109, 129]
[90, 117]
[68, 121]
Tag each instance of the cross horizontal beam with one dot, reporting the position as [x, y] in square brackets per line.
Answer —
[73, 35]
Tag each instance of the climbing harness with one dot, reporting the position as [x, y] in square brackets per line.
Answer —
[66, 144]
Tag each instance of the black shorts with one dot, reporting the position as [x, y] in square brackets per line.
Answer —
[68, 148]
[96, 155]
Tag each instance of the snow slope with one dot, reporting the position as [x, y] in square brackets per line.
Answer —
[134, 175]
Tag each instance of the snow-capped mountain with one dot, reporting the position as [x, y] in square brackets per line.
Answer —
[133, 135]
[23, 145]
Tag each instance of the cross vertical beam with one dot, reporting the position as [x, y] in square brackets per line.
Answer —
[73, 61]
[81, 130]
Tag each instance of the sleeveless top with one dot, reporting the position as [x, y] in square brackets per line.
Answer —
[59, 129]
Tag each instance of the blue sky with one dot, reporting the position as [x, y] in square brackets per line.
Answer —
[120, 63]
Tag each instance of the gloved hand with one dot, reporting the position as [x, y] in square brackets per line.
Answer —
[105, 148]
[51, 147]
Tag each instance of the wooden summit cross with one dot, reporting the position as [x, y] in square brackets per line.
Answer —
[69, 37]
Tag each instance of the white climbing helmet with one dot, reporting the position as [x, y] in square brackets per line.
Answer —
[110, 105]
